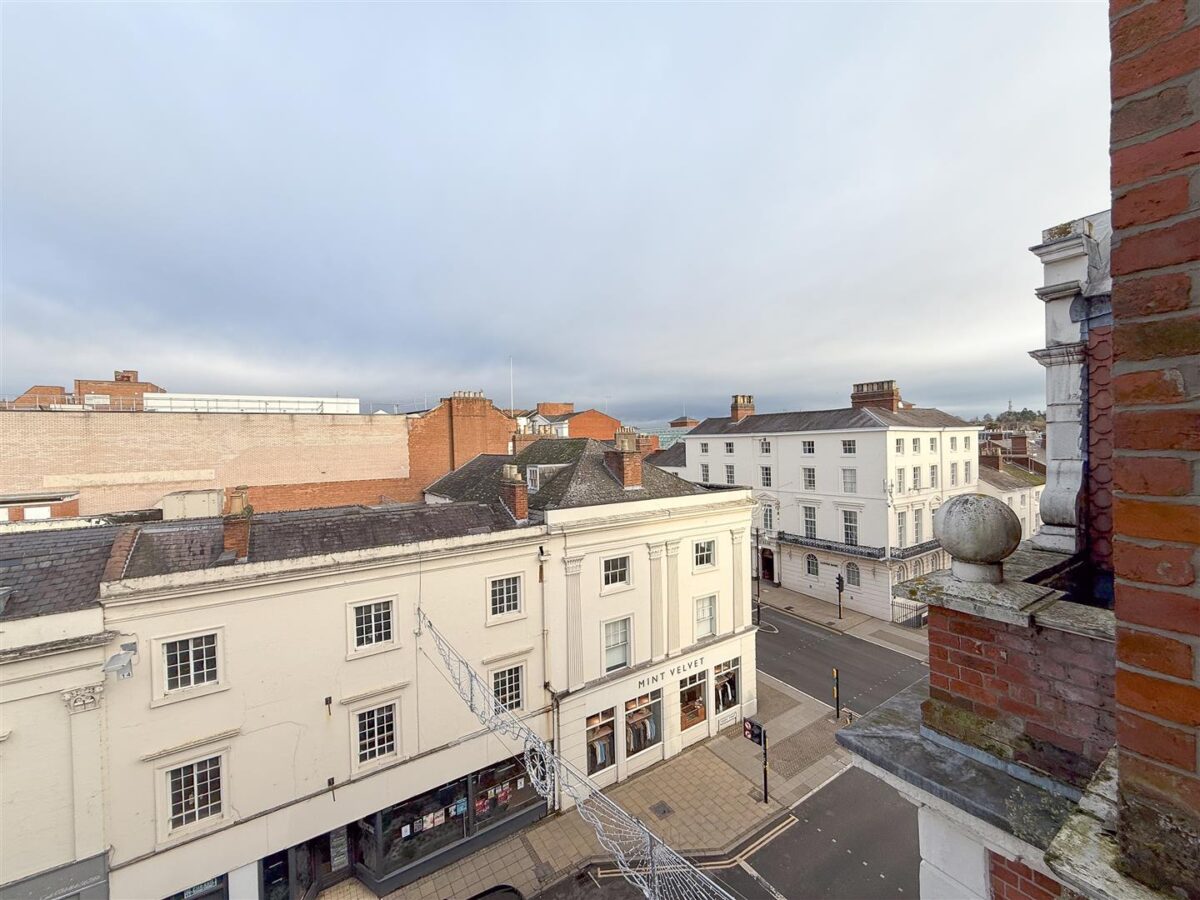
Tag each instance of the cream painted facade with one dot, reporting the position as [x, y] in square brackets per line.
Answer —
[884, 478]
[281, 716]
[52, 836]
[1025, 502]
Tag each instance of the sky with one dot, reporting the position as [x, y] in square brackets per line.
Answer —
[648, 207]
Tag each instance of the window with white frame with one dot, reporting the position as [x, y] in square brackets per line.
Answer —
[768, 517]
[966, 442]
[764, 446]
[901, 529]
[849, 481]
[967, 472]
[1022, 499]
[506, 687]
[704, 473]
[810, 521]
[918, 526]
[899, 446]
[693, 700]
[933, 445]
[506, 595]
[853, 576]
[916, 445]
[933, 473]
[729, 446]
[706, 616]
[376, 732]
[812, 566]
[373, 623]
[810, 478]
[194, 792]
[532, 481]
[704, 446]
[953, 443]
[808, 448]
[900, 481]
[765, 475]
[616, 571]
[729, 478]
[190, 662]
[616, 644]
[916, 478]
[850, 527]
[704, 553]
[849, 448]
[953, 474]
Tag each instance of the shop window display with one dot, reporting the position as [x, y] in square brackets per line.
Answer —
[693, 700]
[601, 743]
[643, 722]
[725, 684]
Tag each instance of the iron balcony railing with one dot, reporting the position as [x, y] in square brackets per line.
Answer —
[832, 546]
[915, 550]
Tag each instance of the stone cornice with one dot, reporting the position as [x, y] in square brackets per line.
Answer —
[1064, 290]
[1060, 354]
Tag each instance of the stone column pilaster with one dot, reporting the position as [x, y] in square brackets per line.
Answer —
[673, 625]
[87, 791]
[739, 577]
[658, 622]
[575, 668]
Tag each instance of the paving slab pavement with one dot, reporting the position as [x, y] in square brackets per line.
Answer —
[714, 791]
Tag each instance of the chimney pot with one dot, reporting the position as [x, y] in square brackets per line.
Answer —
[741, 407]
[514, 493]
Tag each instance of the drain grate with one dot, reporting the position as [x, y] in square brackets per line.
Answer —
[661, 809]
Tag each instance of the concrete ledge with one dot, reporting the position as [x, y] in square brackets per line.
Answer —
[890, 737]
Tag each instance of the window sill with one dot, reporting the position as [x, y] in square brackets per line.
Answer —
[371, 650]
[379, 762]
[187, 832]
[505, 619]
[178, 696]
[616, 589]
[698, 570]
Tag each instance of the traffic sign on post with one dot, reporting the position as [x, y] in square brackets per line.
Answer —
[751, 730]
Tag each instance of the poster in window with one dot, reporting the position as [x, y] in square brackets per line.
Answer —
[405, 831]
[339, 850]
[460, 808]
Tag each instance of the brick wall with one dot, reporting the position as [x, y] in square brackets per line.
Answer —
[1155, 80]
[1037, 696]
[1012, 880]
[591, 423]
[122, 394]
[130, 460]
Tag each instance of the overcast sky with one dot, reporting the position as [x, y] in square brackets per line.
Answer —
[651, 206]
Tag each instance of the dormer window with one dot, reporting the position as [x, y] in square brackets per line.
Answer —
[532, 479]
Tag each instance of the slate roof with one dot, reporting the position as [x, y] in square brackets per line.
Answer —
[585, 480]
[1010, 477]
[54, 571]
[190, 545]
[674, 456]
[829, 420]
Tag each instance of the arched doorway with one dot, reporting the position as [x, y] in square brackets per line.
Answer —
[766, 566]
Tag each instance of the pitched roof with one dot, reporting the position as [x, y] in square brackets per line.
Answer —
[1010, 477]
[674, 456]
[55, 571]
[189, 545]
[584, 480]
[829, 420]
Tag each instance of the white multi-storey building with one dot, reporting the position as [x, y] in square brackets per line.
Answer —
[273, 718]
[848, 492]
[1014, 485]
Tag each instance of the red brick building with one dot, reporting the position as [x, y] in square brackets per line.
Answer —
[123, 392]
[1054, 752]
[566, 422]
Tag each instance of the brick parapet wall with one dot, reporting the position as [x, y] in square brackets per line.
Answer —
[1155, 151]
[1037, 696]
[1013, 880]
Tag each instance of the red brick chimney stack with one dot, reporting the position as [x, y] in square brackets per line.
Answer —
[741, 407]
[514, 493]
[990, 457]
[625, 461]
[647, 444]
[880, 394]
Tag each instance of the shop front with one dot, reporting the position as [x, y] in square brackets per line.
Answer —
[656, 711]
[410, 839]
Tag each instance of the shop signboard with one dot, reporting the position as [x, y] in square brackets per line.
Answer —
[339, 849]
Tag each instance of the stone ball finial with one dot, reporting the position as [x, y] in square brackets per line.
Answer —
[978, 532]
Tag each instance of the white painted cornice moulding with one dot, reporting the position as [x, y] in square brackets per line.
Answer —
[1057, 251]
[1064, 290]
[1060, 354]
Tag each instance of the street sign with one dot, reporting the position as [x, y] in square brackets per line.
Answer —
[752, 731]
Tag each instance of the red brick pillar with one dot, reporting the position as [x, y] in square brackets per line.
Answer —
[1156, 384]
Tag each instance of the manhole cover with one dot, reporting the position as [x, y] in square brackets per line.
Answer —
[661, 809]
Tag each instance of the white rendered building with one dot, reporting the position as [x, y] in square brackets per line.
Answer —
[848, 492]
[281, 723]
[1016, 486]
